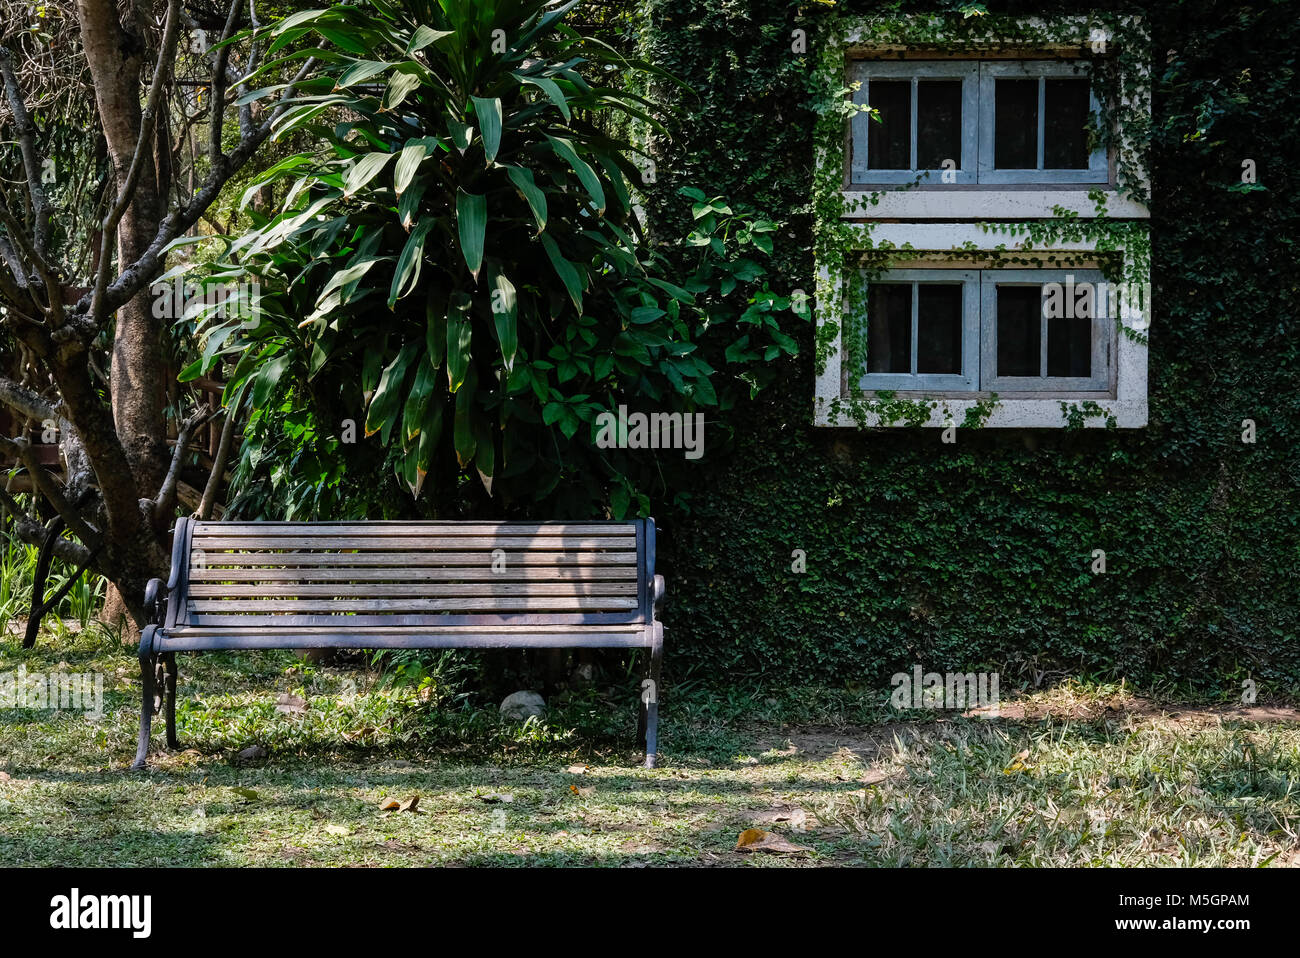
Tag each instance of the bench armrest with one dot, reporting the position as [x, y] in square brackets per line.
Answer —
[154, 600]
[660, 588]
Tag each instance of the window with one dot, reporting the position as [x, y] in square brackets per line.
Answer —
[927, 122]
[994, 122]
[1043, 331]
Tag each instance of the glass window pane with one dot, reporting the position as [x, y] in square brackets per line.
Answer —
[889, 328]
[889, 142]
[1066, 108]
[938, 329]
[1015, 134]
[938, 123]
[1020, 311]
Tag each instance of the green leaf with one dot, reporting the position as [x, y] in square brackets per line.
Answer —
[430, 433]
[460, 132]
[460, 331]
[435, 332]
[409, 204]
[505, 315]
[489, 123]
[523, 180]
[423, 36]
[360, 71]
[382, 413]
[268, 377]
[551, 89]
[407, 270]
[417, 400]
[400, 85]
[408, 161]
[363, 171]
[463, 437]
[586, 175]
[567, 272]
[484, 451]
[471, 224]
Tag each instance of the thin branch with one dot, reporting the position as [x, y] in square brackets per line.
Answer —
[215, 154]
[27, 402]
[46, 486]
[218, 466]
[165, 501]
[26, 130]
[33, 533]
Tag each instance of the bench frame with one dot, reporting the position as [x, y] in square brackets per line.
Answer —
[164, 603]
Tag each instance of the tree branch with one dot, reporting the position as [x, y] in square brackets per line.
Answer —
[27, 402]
[143, 154]
[218, 466]
[41, 479]
[33, 533]
[165, 501]
[26, 130]
[87, 323]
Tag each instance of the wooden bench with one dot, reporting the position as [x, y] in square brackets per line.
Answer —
[402, 585]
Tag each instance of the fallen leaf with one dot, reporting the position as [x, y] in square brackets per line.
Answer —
[247, 793]
[757, 840]
[579, 769]
[290, 704]
[340, 830]
[410, 805]
[4, 776]
[1018, 764]
[389, 805]
[584, 792]
[877, 775]
[493, 797]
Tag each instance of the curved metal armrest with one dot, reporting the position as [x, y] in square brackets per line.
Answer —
[660, 588]
[154, 597]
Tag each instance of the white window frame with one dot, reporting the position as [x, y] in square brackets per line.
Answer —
[967, 71]
[839, 403]
[965, 381]
[1098, 170]
[1099, 385]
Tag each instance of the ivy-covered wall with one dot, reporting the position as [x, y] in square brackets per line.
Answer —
[980, 554]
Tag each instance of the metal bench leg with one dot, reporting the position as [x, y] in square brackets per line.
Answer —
[148, 663]
[169, 663]
[650, 693]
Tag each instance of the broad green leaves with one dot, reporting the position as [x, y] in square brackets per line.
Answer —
[468, 250]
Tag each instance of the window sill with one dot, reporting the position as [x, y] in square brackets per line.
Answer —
[980, 203]
[1006, 413]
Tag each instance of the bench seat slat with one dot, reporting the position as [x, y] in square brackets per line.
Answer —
[398, 529]
[417, 589]
[510, 603]
[521, 574]
[291, 540]
[421, 559]
[194, 640]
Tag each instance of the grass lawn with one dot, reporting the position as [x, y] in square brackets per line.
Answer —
[1073, 776]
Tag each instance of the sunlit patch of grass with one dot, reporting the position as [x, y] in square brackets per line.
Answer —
[1094, 776]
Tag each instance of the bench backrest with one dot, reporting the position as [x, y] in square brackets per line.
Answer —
[298, 574]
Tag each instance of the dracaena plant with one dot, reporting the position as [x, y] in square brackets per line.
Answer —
[462, 259]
